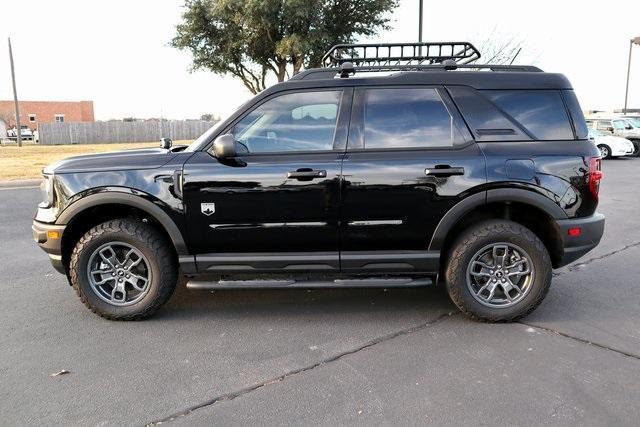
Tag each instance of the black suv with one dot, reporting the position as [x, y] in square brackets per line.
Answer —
[396, 165]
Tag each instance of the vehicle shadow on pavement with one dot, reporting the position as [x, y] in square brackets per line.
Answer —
[220, 304]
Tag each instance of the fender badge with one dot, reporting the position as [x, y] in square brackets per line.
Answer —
[208, 208]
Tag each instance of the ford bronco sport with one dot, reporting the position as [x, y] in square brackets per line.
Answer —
[395, 165]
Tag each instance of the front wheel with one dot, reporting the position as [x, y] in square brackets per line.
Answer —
[605, 151]
[123, 269]
[498, 271]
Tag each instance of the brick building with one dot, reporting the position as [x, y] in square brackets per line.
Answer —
[34, 112]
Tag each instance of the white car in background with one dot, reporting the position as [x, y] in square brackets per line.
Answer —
[610, 145]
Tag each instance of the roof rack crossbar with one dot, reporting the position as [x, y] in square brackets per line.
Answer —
[386, 54]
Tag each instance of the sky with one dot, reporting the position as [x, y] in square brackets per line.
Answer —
[117, 52]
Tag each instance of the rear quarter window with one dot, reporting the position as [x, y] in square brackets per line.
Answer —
[541, 112]
[579, 123]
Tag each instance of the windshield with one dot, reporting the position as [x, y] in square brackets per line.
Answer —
[635, 121]
[195, 145]
[595, 132]
[205, 136]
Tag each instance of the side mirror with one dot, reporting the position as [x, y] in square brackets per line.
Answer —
[165, 143]
[224, 146]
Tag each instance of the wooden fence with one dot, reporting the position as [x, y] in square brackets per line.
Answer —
[116, 131]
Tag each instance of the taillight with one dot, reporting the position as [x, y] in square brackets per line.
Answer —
[595, 175]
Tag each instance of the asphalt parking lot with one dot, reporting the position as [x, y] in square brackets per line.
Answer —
[402, 356]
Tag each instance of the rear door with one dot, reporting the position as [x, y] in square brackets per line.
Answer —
[409, 159]
[277, 202]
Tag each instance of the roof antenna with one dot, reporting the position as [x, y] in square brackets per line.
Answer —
[450, 64]
[346, 69]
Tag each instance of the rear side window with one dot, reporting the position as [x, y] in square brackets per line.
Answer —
[604, 125]
[541, 112]
[406, 117]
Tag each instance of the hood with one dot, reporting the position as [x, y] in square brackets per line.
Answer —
[146, 158]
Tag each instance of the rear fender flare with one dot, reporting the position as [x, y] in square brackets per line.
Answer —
[466, 205]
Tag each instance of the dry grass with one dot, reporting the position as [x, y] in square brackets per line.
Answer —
[26, 162]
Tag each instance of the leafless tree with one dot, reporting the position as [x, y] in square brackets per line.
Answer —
[7, 117]
[500, 50]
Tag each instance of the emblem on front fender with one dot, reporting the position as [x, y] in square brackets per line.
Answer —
[208, 208]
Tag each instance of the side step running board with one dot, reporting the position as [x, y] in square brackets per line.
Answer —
[309, 284]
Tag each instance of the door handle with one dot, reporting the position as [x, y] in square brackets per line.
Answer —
[307, 174]
[444, 170]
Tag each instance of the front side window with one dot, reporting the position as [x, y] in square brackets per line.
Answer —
[406, 117]
[619, 124]
[541, 112]
[303, 121]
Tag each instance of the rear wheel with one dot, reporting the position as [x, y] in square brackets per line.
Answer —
[123, 269]
[498, 271]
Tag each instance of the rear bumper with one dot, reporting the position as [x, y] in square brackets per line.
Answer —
[591, 231]
[45, 236]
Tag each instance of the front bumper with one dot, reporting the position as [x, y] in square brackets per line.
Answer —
[49, 238]
[591, 231]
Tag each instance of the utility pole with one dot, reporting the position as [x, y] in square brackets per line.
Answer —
[420, 22]
[420, 27]
[626, 93]
[15, 96]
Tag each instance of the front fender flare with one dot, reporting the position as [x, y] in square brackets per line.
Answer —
[128, 199]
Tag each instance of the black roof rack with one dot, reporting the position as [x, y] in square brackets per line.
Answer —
[347, 69]
[396, 54]
[343, 60]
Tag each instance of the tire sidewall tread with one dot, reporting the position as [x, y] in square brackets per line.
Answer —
[473, 239]
[147, 240]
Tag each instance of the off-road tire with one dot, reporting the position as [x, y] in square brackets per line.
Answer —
[471, 241]
[156, 248]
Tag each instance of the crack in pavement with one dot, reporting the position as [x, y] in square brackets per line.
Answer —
[334, 358]
[590, 260]
[583, 340]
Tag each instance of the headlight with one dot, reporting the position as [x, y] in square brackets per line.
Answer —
[46, 187]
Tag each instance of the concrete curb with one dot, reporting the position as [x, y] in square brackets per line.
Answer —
[20, 183]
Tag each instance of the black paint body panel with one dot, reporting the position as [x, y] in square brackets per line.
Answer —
[372, 212]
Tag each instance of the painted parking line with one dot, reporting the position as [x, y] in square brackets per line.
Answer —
[18, 188]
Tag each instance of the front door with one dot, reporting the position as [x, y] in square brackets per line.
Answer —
[276, 205]
[409, 159]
